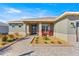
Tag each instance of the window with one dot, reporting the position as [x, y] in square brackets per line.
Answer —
[45, 27]
[13, 26]
[19, 25]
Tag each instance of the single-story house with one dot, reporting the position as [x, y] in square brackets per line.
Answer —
[65, 26]
[4, 28]
[40, 26]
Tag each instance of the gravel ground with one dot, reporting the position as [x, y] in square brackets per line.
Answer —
[18, 48]
[23, 48]
[56, 50]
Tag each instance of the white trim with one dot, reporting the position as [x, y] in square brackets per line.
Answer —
[40, 29]
[27, 29]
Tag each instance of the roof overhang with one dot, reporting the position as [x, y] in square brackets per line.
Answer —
[64, 15]
[34, 20]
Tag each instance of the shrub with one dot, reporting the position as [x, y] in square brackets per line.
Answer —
[4, 38]
[59, 42]
[36, 41]
[37, 37]
[10, 40]
[4, 43]
[11, 36]
[52, 42]
[46, 42]
[46, 38]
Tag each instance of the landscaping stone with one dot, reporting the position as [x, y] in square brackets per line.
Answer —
[22, 48]
[17, 48]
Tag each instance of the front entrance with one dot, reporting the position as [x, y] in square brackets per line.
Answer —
[34, 28]
[47, 29]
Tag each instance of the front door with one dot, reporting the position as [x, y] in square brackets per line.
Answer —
[34, 29]
[45, 29]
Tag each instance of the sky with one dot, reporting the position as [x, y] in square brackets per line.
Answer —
[17, 11]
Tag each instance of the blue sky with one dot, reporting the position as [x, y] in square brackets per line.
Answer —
[12, 11]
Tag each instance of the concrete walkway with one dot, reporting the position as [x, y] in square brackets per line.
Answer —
[18, 48]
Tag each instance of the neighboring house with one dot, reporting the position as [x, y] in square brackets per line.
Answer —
[65, 26]
[4, 28]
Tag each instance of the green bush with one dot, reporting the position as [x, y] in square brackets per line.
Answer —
[9, 40]
[46, 38]
[4, 38]
[37, 37]
[36, 41]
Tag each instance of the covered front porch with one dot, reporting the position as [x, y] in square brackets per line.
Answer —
[39, 28]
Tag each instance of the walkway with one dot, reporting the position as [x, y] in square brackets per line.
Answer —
[18, 48]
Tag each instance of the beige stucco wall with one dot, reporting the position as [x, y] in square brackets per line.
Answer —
[16, 29]
[72, 31]
[60, 29]
[64, 30]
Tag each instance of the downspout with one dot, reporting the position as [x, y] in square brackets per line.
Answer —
[76, 33]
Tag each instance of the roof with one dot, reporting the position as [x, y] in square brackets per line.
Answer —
[67, 14]
[3, 24]
[51, 19]
[14, 21]
[33, 19]
[40, 19]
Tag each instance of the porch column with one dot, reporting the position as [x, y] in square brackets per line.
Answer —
[27, 26]
[40, 29]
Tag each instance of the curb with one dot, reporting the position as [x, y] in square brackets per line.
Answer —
[28, 53]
